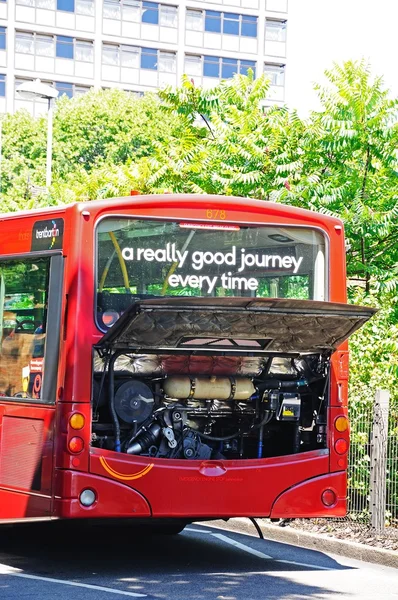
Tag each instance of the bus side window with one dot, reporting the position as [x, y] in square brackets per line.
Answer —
[23, 327]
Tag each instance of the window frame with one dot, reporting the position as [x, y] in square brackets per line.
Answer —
[54, 312]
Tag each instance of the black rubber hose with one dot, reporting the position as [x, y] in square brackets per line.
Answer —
[225, 438]
[101, 383]
[116, 424]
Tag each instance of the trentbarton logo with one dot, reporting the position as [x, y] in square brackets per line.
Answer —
[48, 235]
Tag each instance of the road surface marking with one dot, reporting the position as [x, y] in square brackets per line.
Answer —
[300, 564]
[6, 570]
[198, 530]
[228, 540]
[250, 550]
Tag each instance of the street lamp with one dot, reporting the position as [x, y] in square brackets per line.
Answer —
[36, 89]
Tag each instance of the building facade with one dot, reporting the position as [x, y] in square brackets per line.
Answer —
[137, 45]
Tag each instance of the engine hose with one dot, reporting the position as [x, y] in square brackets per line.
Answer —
[116, 424]
[225, 438]
[101, 383]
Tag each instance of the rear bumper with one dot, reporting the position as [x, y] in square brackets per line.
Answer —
[305, 499]
[125, 486]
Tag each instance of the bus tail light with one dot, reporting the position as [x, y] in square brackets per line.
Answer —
[76, 445]
[341, 446]
[329, 498]
[77, 421]
[341, 424]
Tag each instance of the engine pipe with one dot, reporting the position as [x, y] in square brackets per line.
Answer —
[260, 442]
[116, 424]
[145, 440]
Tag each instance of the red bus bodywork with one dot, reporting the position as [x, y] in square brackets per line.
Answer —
[139, 486]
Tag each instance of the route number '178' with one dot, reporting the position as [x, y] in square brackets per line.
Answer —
[216, 214]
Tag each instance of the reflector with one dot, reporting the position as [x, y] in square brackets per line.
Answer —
[328, 498]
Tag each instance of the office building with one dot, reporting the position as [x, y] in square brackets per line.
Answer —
[137, 45]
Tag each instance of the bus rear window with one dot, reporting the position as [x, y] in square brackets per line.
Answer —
[148, 258]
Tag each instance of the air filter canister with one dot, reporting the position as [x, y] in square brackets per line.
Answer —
[208, 388]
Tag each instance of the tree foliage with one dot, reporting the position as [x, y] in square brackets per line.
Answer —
[341, 160]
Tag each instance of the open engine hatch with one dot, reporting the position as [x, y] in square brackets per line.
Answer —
[236, 325]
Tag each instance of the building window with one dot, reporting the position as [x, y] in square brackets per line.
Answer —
[225, 68]
[213, 21]
[2, 86]
[64, 88]
[24, 43]
[3, 33]
[231, 24]
[130, 57]
[211, 66]
[110, 55]
[80, 90]
[245, 65]
[137, 11]
[70, 89]
[227, 23]
[79, 7]
[149, 58]
[276, 74]
[66, 5]
[194, 21]
[168, 16]
[275, 31]
[65, 47]
[229, 68]
[150, 13]
[249, 26]
[132, 64]
[85, 7]
[84, 51]
[44, 45]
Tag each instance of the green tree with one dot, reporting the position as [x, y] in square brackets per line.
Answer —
[227, 142]
[349, 168]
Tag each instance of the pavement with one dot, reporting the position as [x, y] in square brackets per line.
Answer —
[202, 563]
[314, 541]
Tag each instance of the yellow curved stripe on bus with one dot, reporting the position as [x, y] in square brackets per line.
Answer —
[121, 476]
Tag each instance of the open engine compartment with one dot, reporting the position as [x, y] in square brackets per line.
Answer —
[214, 378]
[210, 407]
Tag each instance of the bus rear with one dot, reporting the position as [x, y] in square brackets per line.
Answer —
[219, 366]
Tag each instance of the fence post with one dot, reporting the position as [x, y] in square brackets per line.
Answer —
[378, 460]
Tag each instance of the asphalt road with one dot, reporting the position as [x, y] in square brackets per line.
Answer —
[65, 561]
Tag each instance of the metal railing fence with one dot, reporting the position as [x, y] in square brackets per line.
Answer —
[373, 465]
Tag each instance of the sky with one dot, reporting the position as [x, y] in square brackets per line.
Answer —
[321, 32]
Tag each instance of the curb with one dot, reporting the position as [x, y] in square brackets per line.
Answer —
[313, 541]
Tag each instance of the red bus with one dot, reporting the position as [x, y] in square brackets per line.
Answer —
[173, 357]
